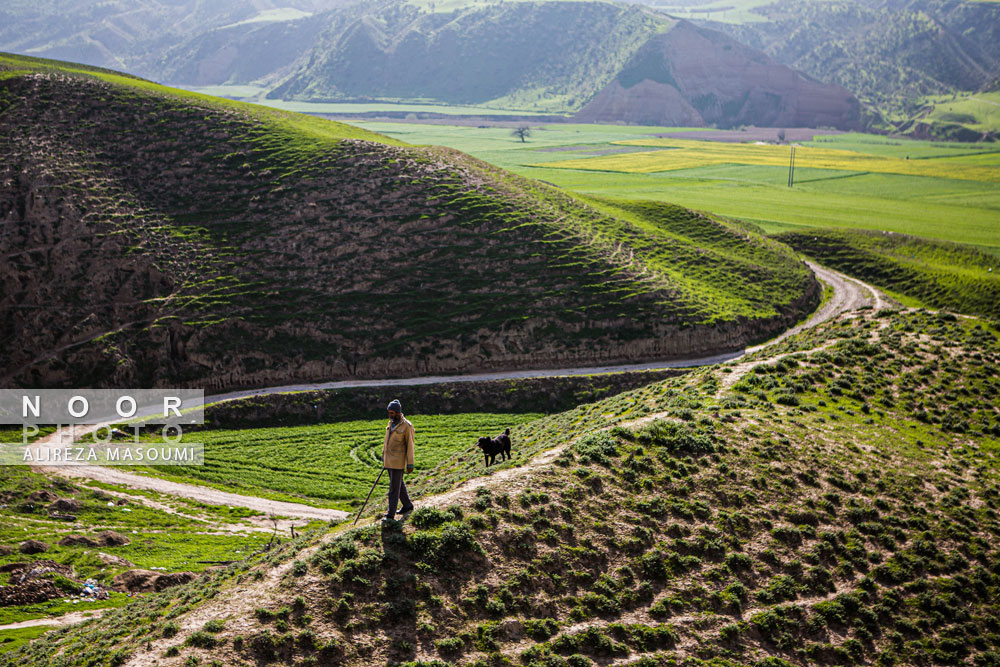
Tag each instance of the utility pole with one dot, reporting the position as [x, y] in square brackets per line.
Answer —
[791, 168]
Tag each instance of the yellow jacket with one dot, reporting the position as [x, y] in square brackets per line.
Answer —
[397, 452]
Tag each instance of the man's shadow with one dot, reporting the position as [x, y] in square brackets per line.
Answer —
[404, 589]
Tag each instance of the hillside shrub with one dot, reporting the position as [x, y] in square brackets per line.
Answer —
[596, 448]
[675, 438]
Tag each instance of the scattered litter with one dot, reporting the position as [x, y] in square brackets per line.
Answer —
[92, 591]
[157, 568]
[111, 503]
[125, 509]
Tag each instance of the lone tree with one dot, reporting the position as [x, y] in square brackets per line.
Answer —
[522, 133]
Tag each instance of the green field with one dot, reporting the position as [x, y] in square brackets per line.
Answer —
[175, 535]
[330, 465]
[12, 639]
[682, 154]
[929, 205]
[255, 94]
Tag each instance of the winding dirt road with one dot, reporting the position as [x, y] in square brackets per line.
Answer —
[848, 294]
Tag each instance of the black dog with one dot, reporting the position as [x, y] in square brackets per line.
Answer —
[493, 446]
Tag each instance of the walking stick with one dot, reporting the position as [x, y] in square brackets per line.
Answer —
[369, 496]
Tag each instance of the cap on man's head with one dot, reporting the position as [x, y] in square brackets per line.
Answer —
[395, 406]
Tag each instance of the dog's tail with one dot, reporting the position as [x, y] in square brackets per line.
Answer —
[506, 431]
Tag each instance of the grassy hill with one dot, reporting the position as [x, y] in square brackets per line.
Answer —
[836, 505]
[967, 117]
[162, 237]
[936, 274]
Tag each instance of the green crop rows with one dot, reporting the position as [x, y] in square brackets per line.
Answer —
[330, 465]
[932, 207]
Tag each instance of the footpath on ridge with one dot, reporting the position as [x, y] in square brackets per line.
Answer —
[848, 294]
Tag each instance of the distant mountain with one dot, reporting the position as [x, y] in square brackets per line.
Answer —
[692, 76]
[612, 62]
[888, 53]
[244, 52]
[551, 56]
[133, 34]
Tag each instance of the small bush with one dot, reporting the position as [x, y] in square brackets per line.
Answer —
[675, 438]
[540, 629]
[451, 645]
[215, 625]
[201, 639]
[431, 517]
[597, 448]
[453, 540]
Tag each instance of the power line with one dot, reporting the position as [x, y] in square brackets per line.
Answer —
[791, 167]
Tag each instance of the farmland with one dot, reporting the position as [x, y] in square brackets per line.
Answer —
[329, 465]
[852, 195]
[164, 533]
[689, 154]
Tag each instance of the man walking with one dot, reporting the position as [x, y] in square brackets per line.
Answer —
[397, 453]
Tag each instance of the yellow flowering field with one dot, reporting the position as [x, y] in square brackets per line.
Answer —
[677, 154]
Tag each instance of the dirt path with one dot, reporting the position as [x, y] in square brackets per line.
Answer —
[71, 618]
[476, 377]
[205, 494]
[848, 294]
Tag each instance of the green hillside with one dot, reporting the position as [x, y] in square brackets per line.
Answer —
[217, 244]
[837, 506]
[967, 117]
[936, 274]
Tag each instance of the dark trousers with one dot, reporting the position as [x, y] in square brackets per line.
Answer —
[397, 492]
